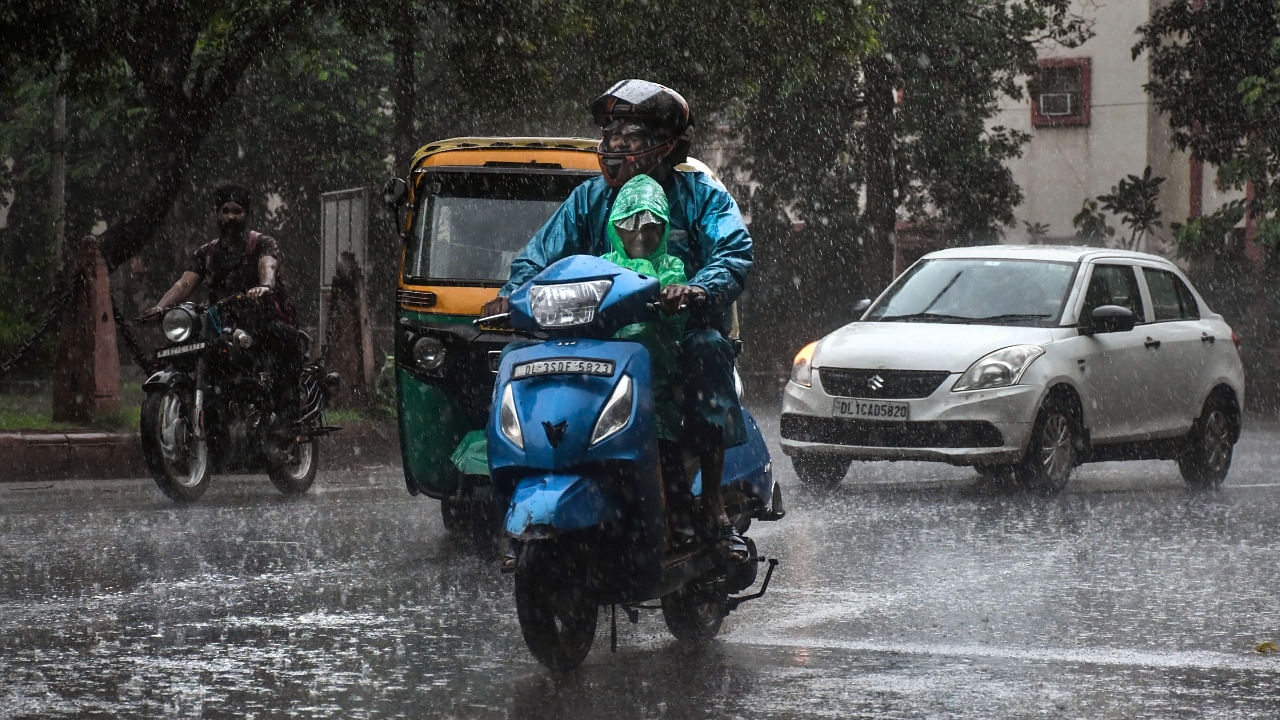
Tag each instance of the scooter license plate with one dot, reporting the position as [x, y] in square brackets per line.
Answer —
[562, 366]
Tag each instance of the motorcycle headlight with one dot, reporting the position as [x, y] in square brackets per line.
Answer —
[428, 352]
[1001, 368]
[507, 419]
[616, 413]
[567, 304]
[802, 367]
[178, 324]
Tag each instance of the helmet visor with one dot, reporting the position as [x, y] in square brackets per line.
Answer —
[624, 135]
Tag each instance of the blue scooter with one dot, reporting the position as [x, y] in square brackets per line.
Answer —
[572, 441]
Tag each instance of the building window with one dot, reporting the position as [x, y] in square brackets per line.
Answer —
[1060, 92]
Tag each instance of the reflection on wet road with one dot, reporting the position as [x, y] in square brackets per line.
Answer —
[909, 591]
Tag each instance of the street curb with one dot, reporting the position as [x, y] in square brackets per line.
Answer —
[91, 455]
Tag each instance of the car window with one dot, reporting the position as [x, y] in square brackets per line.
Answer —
[994, 291]
[1171, 299]
[1113, 285]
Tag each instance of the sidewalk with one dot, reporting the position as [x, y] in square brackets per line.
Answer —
[90, 455]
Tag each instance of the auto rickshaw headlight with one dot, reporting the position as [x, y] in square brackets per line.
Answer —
[178, 324]
[616, 413]
[567, 304]
[428, 352]
[508, 420]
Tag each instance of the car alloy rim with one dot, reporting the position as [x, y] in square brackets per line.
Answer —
[1056, 450]
[1217, 440]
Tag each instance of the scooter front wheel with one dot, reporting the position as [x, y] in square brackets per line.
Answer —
[694, 613]
[556, 607]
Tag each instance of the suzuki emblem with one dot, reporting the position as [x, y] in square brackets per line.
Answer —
[876, 382]
[555, 433]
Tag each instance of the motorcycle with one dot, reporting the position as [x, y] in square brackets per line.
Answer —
[572, 442]
[207, 406]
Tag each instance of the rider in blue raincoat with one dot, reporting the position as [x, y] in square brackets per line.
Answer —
[646, 129]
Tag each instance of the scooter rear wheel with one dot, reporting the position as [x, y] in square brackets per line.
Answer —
[694, 614]
[556, 608]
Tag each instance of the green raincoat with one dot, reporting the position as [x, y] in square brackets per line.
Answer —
[661, 336]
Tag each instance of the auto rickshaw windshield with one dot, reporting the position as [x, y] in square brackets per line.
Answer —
[472, 225]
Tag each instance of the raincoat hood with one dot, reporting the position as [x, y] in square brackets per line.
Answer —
[642, 193]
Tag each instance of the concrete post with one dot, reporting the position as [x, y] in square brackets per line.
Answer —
[351, 353]
[86, 374]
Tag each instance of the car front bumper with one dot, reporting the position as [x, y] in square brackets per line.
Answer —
[961, 428]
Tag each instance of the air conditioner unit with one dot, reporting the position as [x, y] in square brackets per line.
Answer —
[1056, 104]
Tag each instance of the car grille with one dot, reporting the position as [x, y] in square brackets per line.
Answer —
[872, 433]
[881, 384]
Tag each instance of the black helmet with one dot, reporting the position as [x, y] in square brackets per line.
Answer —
[657, 112]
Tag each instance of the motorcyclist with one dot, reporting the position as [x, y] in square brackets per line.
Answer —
[244, 261]
[646, 130]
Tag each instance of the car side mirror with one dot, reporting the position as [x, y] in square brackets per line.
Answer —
[1110, 319]
[860, 307]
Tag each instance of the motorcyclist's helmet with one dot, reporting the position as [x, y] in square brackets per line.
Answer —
[642, 125]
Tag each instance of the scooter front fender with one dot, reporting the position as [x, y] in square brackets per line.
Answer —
[556, 503]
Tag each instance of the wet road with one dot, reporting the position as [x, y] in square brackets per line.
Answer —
[909, 592]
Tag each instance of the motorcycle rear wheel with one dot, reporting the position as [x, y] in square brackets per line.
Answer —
[178, 462]
[295, 475]
[556, 608]
[694, 614]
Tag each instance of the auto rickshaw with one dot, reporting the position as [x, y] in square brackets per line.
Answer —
[471, 205]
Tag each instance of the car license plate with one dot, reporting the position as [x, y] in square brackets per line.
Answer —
[562, 366]
[871, 409]
[181, 350]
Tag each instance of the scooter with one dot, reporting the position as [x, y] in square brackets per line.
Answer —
[571, 440]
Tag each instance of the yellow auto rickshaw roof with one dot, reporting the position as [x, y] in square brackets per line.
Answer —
[567, 152]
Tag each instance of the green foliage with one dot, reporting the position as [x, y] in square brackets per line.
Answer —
[1091, 225]
[1203, 237]
[1036, 231]
[1134, 199]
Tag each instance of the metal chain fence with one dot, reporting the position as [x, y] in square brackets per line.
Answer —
[140, 357]
[50, 321]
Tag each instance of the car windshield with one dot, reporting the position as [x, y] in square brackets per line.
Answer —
[470, 225]
[978, 291]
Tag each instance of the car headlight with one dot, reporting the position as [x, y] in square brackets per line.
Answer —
[178, 324]
[428, 352]
[616, 413]
[507, 419]
[1001, 368]
[567, 304]
[802, 367]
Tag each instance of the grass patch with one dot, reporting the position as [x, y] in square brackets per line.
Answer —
[35, 413]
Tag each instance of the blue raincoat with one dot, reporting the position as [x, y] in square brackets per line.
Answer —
[708, 235]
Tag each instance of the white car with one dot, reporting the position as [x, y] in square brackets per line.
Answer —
[1025, 362]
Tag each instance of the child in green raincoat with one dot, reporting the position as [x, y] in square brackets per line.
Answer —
[638, 227]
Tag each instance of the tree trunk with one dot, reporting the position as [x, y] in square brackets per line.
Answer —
[404, 92]
[878, 249]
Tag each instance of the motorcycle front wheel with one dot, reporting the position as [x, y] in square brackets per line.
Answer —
[555, 605]
[293, 467]
[178, 462]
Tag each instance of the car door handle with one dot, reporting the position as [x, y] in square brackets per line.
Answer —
[1152, 343]
[1207, 338]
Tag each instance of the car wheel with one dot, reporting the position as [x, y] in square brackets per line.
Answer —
[1051, 451]
[822, 472]
[1207, 457]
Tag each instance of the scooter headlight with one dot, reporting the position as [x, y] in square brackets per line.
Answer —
[507, 419]
[616, 413]
[178, 324]
[567, 304]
